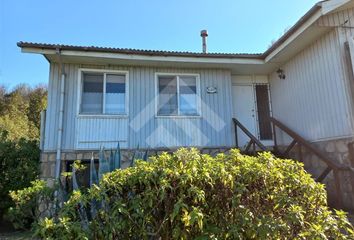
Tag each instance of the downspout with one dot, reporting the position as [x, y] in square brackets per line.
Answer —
[61, 115]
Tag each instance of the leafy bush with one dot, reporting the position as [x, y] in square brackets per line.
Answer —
[19, 165]
[19, 139]
[187, 195]
[31, 203]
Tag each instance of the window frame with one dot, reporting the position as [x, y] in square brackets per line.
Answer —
[178, 75]
[104, 72]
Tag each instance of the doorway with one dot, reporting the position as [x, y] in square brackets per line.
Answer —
[251, 106]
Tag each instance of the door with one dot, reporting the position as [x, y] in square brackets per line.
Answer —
[244, 111]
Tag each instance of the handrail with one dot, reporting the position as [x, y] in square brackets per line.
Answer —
[331, 166]
[253, 141]
[306, 144]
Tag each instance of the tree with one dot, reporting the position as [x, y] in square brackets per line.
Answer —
[37, 103]
[20, 111]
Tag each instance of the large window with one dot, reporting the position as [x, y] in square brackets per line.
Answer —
[103, 93]
[177, 95]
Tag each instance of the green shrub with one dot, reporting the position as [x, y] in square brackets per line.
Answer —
[19, 165]
[187, 195]
[31, 204]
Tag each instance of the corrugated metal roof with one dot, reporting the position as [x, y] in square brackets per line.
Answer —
[136, 51]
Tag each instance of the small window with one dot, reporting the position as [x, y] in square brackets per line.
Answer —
[168, 96]
[92, 95]
[115, 94]
[103, 93]
[177, 95]
[188, 95]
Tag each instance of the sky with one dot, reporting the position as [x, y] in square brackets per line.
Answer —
[234, 26]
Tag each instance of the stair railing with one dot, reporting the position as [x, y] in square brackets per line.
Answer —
[254, 142]
[302, 143]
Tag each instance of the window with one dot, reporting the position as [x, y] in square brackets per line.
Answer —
[103, 93]
[115, 94]
[92, 96]
[177, 95]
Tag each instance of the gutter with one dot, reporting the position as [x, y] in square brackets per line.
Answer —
[61, 115]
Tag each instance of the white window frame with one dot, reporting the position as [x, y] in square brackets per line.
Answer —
[178, 75]
[81, 71]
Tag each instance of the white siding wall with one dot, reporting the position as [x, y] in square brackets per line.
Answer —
[313, 99]
[212, 129]
[106, 131]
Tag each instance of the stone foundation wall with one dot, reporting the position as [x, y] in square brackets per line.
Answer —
[48, 158]
[338, 150]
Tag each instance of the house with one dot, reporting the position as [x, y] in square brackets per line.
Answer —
[297, 97]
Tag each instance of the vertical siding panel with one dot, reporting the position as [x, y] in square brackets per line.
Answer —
[315, 80]
[208, 101]
[50, 108]
[224, 85]
[334, 53]
[212, 103]
[332, 71]
[144, 103]
[139, 100]
[132, 102]
[55, 110]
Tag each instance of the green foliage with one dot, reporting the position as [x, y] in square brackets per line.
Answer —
[19, 134]
[19, 165]
[187, 195]
[20, 111]
[30, 203]
[37, 103]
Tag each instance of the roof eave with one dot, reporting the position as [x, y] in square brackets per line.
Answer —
[49, 48]
[89, 55]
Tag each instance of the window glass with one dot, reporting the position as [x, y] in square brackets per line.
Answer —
[188, 95]
[167, 103]
[92, 95]
[115, 94]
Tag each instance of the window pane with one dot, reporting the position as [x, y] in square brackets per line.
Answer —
[115, 94]
[167, 96]
[92, 94]
[188, 95]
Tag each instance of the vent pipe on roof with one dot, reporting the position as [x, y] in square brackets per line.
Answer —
[204, 35]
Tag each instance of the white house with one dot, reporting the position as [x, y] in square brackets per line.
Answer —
[165, 100]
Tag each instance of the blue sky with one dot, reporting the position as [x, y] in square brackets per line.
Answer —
[234, 26]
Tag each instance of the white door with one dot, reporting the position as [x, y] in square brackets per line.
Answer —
[244, 111]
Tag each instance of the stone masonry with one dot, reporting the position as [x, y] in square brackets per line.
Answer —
[48, 158]
[340, 151]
